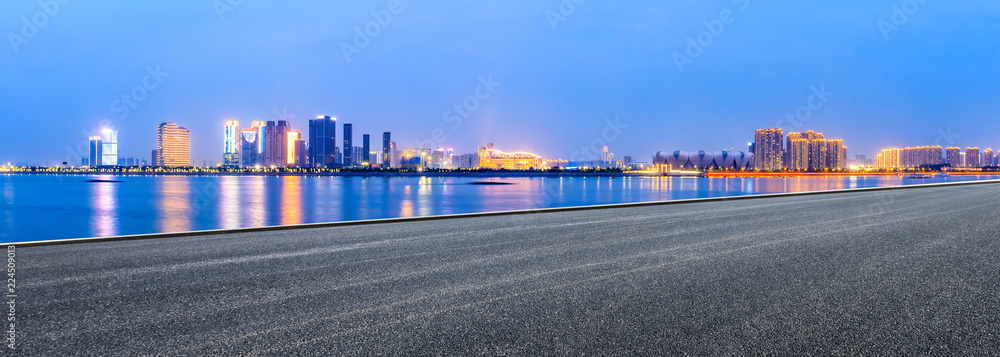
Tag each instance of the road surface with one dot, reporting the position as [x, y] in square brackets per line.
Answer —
[914, 272]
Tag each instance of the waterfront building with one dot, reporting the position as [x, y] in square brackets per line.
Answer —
[798, 155]
[348, 145]
[490, 158]
[888, 159]
[109, 147]
[953, 157]
[173, 146]
[232, 144]
[386, 150]
[250, 147]
[365, 150]
[836, 154]
[989, 157]
[913, 157]
[291, 156]
[702, 160]
[972, 159]
[393, 155]
[768, 152]
[96, 156]
[963, 159]
[301, 153]
[261, 127]
[276, 143]
[323, 141]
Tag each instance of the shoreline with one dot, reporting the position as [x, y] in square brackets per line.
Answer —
[497, 174]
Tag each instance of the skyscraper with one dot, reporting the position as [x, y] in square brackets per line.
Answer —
[249, 147]
[972, 157]
[276, 143]
[261, 127]
[767, 147]
[365, 159]
[386, 153]
[323, 141]
[291, 157]
[231, 148]
[173, 146]
[989, 158]
[348, 145]
[96, 157]
[953, 157]
[109, 147]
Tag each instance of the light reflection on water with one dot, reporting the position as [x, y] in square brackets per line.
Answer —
[146, 204]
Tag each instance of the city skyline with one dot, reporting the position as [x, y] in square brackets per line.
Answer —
[459, 75]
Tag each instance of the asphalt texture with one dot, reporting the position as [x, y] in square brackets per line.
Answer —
[900, 272]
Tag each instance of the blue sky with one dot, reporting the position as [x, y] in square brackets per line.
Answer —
[560, 71]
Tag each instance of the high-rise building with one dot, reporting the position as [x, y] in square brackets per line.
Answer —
[972, 157]
[261, 127]
[301, 153]
[173, 146]
[836, 154]
[953, 157]
[109, 147]
[989, 158]
[231, 148]
[249, 147]
[96, 156]
[291, 157]
[323, 141]
[276, 143]
[798, 151]
[348, 145]
[386, 150]
[768, 153]
[365, 147]
[393, 155]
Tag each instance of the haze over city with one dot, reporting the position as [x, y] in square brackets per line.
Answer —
[545, 75]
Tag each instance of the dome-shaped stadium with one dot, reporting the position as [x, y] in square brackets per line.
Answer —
[705, 160]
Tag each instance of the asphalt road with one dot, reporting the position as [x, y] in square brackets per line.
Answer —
[910, 272]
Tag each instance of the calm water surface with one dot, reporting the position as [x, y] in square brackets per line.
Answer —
[43, 207]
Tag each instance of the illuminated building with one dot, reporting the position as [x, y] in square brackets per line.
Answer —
[301, 153]
[261, 138]
[323, 141]
[249, 147]
[799, 155]
[365, 148]
[606, 157]
[888, 159]
[290, 156]
[703, 160]
[348, 145]
[276, 143]
[173, 146]
[953, 157]
[231, 149]
[989, 158]
[911, 157]
[816, 153]
[768, 153]
[836, 154]
[393, 155]
[972, 158]
[386, 150]
[468, 161]
[963, 159]
[490, 158]
[109, 147]
[96, 156]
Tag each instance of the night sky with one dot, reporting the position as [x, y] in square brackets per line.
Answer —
[551, 76]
